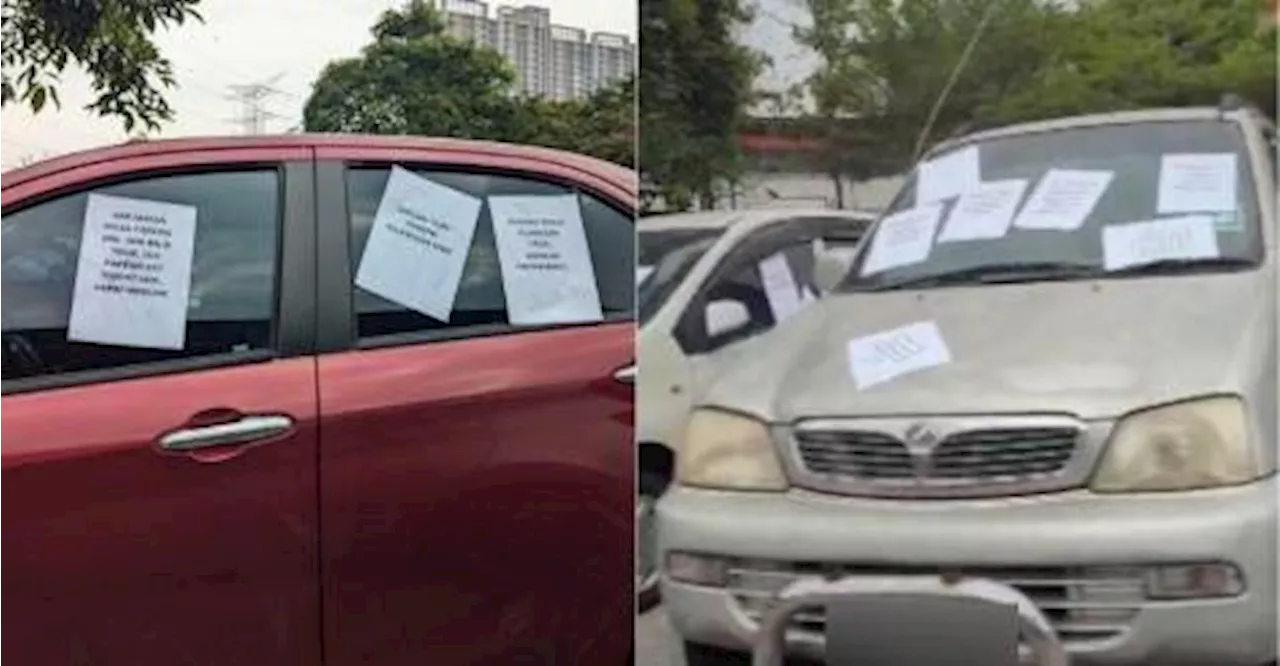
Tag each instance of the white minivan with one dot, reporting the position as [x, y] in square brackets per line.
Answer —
[1053, 366]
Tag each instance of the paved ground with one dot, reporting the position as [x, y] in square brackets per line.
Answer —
[656, 642]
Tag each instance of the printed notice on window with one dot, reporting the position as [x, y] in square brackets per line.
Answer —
[950, 175]
[878, 358]
[133, 276]
[903, 239]
[1063, 200]
[984, 213]
[418, 244]
[1139, 243]
[1197, 183]
[780, 287]
[546, 264]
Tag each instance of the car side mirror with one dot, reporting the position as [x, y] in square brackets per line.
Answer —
[726, 316]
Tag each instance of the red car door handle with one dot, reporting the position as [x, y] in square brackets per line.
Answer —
[243, 431]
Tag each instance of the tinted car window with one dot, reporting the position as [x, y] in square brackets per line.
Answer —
[232, 298]
[480, 299]
[1132, 152]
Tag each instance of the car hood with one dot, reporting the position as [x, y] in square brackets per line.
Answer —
[1094, 349]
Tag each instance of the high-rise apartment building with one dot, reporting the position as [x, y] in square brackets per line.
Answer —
[550, 60]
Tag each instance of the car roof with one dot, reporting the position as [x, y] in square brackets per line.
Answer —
[744, 220]
[134, 149]
[1196, 113]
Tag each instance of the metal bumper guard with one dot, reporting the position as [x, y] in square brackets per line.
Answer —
[973, 622]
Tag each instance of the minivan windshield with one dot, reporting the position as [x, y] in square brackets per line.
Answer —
[672, 264]
[1199, 215]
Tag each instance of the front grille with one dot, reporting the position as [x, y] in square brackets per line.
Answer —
[1084, 604]
[990, 455]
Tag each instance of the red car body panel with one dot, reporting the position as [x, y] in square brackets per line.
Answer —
[118, 553]
[459, 502]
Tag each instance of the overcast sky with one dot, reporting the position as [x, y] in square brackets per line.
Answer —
[244, 42]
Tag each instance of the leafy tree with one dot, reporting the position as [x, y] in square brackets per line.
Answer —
[1127, 54]
[695, 86]
[602, 125]
[885, 64]
[414, 78]
[109, 39]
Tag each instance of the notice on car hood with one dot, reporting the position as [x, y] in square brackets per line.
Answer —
[880, 357]
[133, 276]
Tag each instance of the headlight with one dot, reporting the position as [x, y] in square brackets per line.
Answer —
[728, 451]
[1197, 444]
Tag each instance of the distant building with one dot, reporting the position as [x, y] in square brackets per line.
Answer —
[554, 61]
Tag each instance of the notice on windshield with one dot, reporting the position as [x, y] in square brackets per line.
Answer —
[950, 175]
[546, 264]
[1197, 183]
[643, 272]
[881, 357]
[1139, 243]
[1063, 200]
[903, 239]
[780, 287]
[984, 213]
[418, 244]
[133, 275]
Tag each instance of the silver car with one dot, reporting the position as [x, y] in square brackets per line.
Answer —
[1100, 434]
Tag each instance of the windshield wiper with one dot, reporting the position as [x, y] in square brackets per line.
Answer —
[1173, 266]
[1029, 271]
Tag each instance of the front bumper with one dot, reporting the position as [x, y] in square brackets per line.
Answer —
[1081, 557]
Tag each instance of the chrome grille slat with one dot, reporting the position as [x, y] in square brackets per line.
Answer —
[1003, 455]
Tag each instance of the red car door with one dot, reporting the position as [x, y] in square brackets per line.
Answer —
[476, 477]
[160, 504]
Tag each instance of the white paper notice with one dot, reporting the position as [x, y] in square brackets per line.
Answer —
[643, 272]
[418, 244]
[1197, 183]
[875, 359]
[133, 276]
[1063, 200]
[546, 263]
[955, 173]
[902, 239]
[985, 212]
[1137, 243]
[780, 287]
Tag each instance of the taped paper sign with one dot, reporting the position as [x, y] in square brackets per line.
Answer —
[903, 239]
[418, 244]
[546, 263]
[875, 359]
[1197, 183]
[133, 276]
[1138, 243]
[780, 288]
[643, 272]
[953, 174]
[984, 213]
[1064, 199]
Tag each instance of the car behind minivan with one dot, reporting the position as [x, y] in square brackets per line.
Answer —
[1081, 404]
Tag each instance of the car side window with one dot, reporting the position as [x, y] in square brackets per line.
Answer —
[480, 300]
[231, 302]
[737, 304]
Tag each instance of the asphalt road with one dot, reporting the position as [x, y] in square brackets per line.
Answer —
[656, 642]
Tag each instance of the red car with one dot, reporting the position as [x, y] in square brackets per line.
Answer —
[318, 475]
